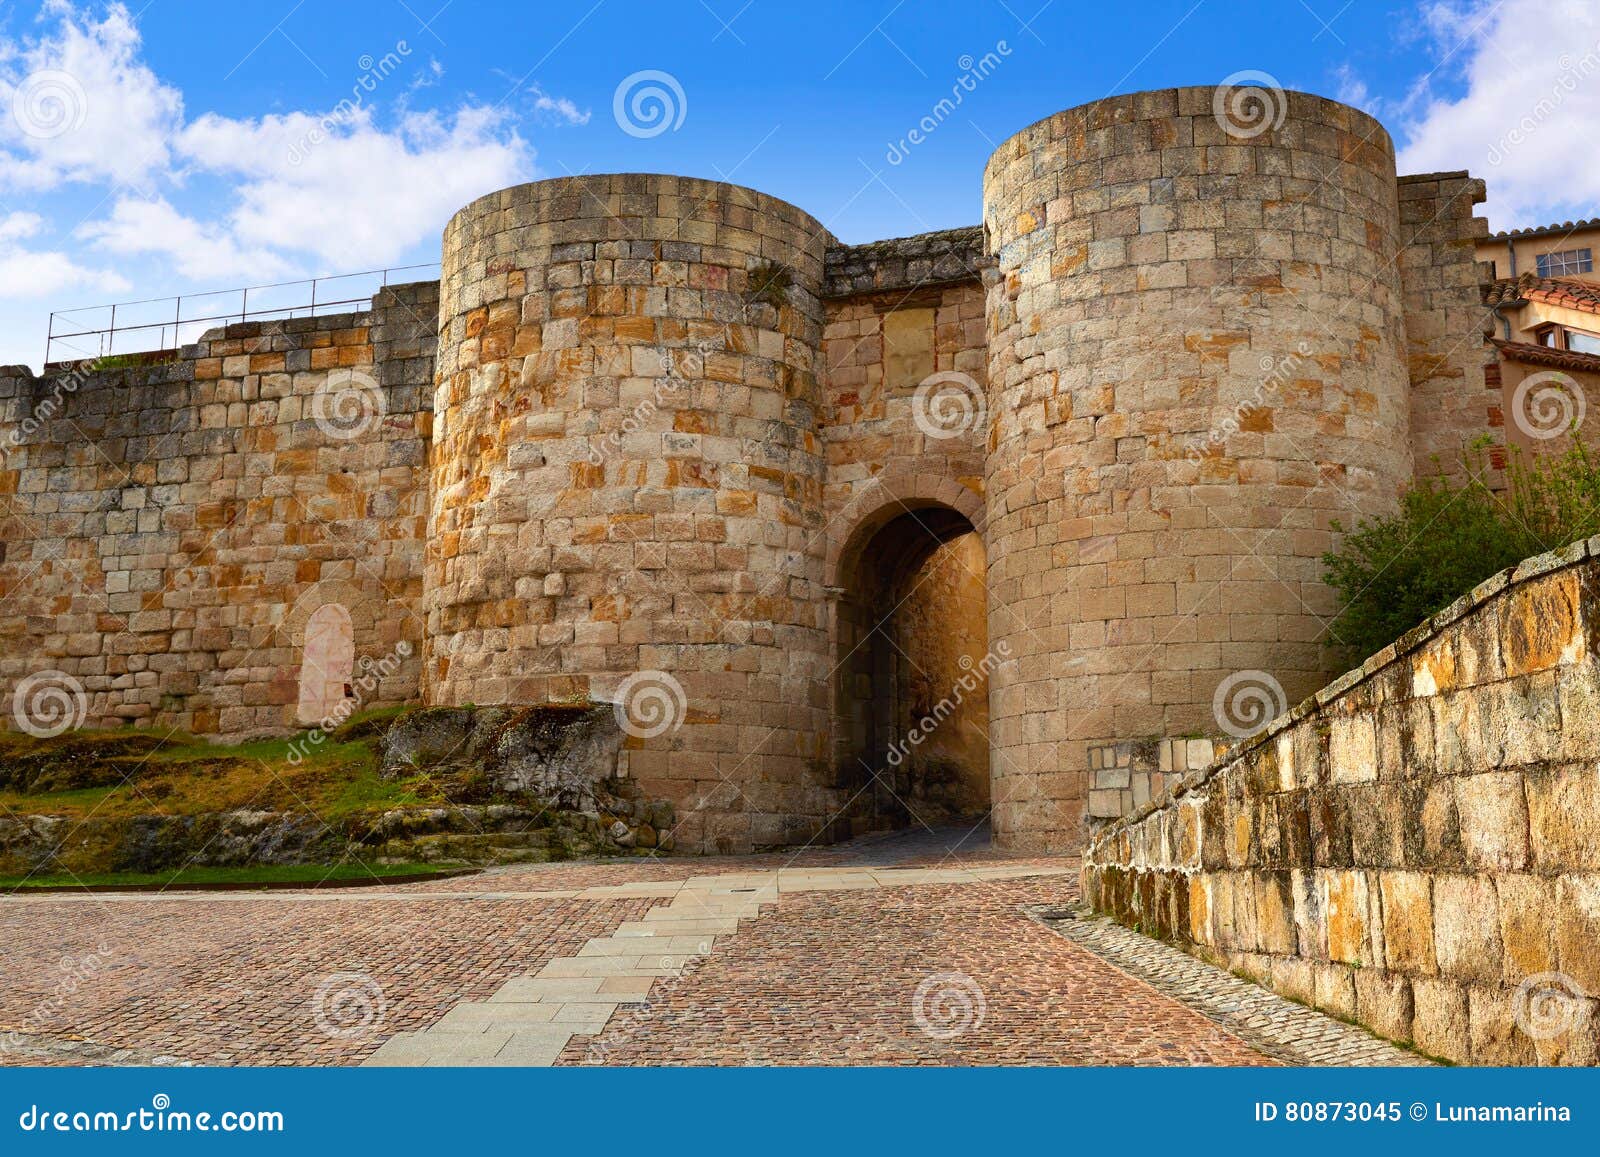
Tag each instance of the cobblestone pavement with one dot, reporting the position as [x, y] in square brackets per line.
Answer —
[880, 952]
[1291, 1032]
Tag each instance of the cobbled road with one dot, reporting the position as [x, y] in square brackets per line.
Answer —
[913, 950]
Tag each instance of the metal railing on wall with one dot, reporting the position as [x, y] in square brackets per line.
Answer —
[163, 323]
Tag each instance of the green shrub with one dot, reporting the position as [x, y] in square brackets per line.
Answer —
[1392, 573]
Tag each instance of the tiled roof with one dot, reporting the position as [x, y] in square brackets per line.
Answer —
[1538, 355]
[1566, 291]
[1543, 230]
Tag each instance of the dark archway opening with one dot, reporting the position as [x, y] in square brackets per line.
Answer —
[912, 684]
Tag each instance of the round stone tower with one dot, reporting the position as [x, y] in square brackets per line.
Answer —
[627, 484]
[1195, 366]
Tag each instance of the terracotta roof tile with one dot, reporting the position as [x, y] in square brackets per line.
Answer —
[1565, 291]
[1541, 230]
[1538, 355]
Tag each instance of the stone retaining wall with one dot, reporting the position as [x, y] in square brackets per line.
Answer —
[1417, 847]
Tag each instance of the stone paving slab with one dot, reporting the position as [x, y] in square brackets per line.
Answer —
[810, 958]
[944, 974]
[1280, 1028]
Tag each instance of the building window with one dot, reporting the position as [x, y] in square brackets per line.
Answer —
[1560, 337]
[1565, 262]
[1582, 343]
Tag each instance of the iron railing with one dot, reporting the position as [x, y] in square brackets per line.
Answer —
[128, 327]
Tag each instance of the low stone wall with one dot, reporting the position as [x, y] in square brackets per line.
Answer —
[1417, 847]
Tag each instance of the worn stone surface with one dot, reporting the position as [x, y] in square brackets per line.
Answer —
[1453, 901]
[647, 425]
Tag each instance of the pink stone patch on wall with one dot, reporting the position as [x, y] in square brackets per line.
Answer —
[326, 663]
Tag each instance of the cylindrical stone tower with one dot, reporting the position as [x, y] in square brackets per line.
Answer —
[1195, 366]
[627, 484]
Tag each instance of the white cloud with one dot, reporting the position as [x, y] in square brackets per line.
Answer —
[560, 107]
[348, 192]
[28, 273]
[1525, 122]
[199, 251]
[301, 193]
[1353, 91]
[79, 105]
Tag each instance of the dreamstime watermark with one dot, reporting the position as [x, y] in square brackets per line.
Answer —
[46, 704]
[1547, 405]
[947, 1005]
[975, 676]
[973, 73]
[71, 377]
[1277, 371]
[348, 404]
[76, 972]
[948, 404]
[1548, 1005]
[1247, 701]
[363, 687]
[1249, 103]
[649, 704]
[49, 103]
[1567, 82]
[348, 1004]
[648, 103]
[373, 73]
[678, 368]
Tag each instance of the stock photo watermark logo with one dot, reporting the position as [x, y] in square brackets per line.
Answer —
[373, 73]
[76, 971]
[349, 404]
[1249, 103]
[1549, 1005]
[649, 704]
[46, 704]
[1572, 74]
[947, 1005]
[1547, 405]
[1278, 371]
[948, 404]
[348, 1004]
[975, 677]
[648, 103]
[363, 687]
[973, 73]
[49, 104]
[1247, 701]
[68, 381]
[675, 379]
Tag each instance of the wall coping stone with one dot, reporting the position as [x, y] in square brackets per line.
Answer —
[1408, 643]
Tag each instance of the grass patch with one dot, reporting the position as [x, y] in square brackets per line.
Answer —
[263, 874]
[131, 772]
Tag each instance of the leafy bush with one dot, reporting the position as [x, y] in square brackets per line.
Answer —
[1392, 573]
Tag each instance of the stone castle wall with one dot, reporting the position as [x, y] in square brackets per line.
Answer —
[175, 524]
[680, 446]
[1415, 848]
[628, 480]
[1196, 364]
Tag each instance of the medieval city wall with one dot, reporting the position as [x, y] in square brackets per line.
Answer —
[627, 484]
[683, 451]
[1196, 364]
[175, 524]
[1414, 848]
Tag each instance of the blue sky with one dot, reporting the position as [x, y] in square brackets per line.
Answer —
[172, 146]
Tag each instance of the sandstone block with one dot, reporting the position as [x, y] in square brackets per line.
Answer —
[1466, 928]
[1408, 922]
[1440, 1025]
